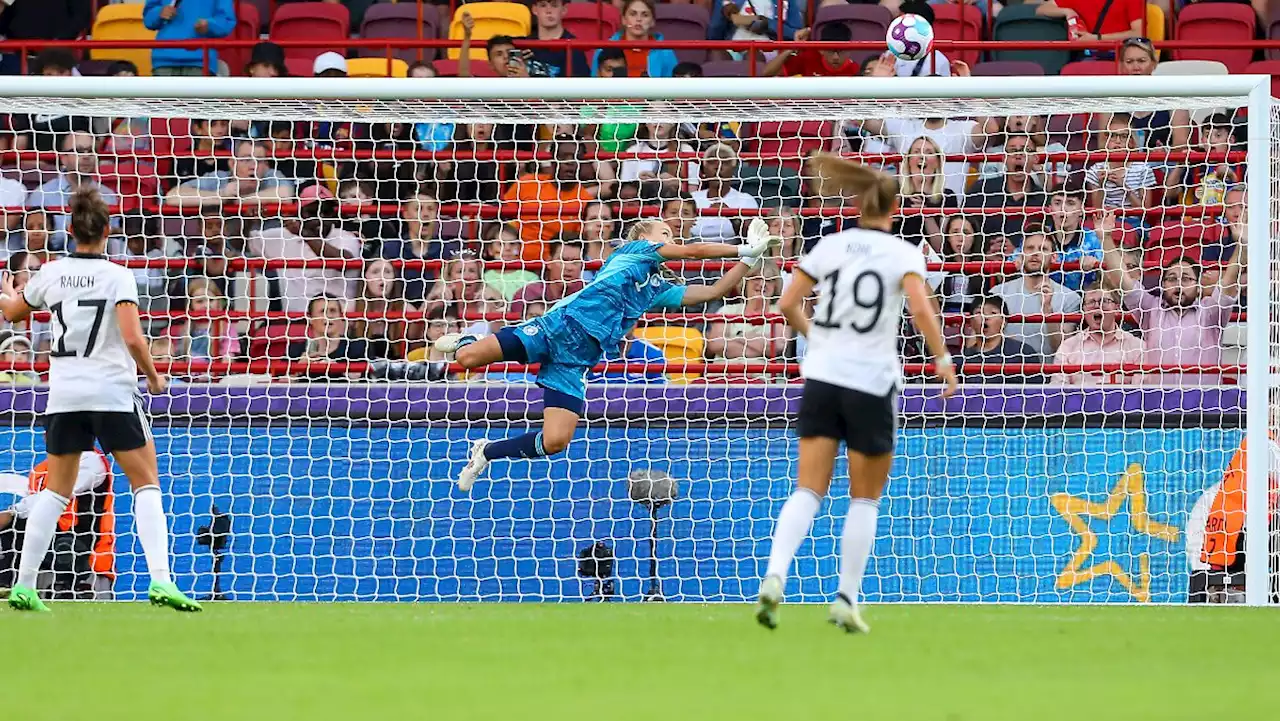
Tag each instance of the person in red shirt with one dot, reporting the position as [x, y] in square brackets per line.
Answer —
[1123, 19]
[816, 63]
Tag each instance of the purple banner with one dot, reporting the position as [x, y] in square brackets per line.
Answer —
[737, 403]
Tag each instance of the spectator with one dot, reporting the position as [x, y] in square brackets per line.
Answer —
[988, 344]
[599, 230]
[611, 63]
[420, 239]
[744, 341]
[717, 194]
[652, 178]
[961, 244]
[935, 64]
[1232, 225]
[16, 349]
[48, 133]
[785, 225]
[1014, 190]
[502, 244]
[266, 60]
[140, 236]
[630, 351]
[329, 65]
[1100, 340]
[478, 180]
[923, 188]
[953, 137]
[281, 145]
[421, 69]
[1077, 244]
[686, 69]
[34, 236]
[206, 335]
[555, 195]
[208, 137]
[381, 294]
[42, 20]
[563, 278]
[78, 165]
[1099, 21]
[21, 267]
[13, 201]
[637, 25]
[188, 20]
[504, 59]
[815, 63]
[326, 338]
[221, 240]
[1183, 325]
[1033, 292]
[1117, 183]
[997, 129]
[756, 20]
[548, 24]
[1205, 182]
[460, 293]
[312, 236]
[250, 178]
[1154, 128]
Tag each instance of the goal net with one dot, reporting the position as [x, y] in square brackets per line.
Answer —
[1101, 250]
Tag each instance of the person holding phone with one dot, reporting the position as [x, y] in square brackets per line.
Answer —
[187, 20]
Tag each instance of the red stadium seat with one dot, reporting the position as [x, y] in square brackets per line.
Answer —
[448, 68]
[1221, 24]
[325, 24]
[787, 143]
[592, 21]
[731, 69]
[248, 27]
[1007, 68]
[263, 7]
[865, 22]
[400, 21]
[1267, 67]
[1185, 234]
[684, 22]
[1090, 67]
[958, 21]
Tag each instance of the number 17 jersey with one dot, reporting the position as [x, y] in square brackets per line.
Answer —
[90, 369]
[853, 338]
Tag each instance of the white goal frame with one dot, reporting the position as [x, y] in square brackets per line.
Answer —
[570, 100]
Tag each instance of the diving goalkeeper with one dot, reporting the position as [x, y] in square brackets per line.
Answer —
[569, 339]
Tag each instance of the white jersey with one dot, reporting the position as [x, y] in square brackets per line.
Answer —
[853, 339]
[90, 368]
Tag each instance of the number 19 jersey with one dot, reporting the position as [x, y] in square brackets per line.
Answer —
[853, 338]
[90, 368]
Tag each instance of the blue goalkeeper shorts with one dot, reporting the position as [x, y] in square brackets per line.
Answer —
[564, 351]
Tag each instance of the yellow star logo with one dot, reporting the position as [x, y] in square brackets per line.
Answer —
[1075, 509]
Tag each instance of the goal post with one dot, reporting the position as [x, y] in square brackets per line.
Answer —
[336, 473]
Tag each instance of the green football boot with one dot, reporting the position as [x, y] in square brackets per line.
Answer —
[167, 594]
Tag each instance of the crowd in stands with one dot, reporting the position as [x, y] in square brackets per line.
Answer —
[492, 224]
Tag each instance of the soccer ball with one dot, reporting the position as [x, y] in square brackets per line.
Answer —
[910, 37]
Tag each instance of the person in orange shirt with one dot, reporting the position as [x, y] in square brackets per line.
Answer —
[550, 203]
[1215, 533]
[83, 557]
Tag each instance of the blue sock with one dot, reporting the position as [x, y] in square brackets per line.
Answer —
[528, 445]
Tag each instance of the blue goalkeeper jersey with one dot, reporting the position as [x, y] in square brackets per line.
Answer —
[628, 286]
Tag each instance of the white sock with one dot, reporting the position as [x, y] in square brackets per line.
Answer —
[42, 521]
[794, 522]
[153, 531]
[855, 545]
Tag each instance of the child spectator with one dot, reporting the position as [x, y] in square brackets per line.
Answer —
[381, 293]
[205, 335]
[961, 244]
[923, 187]
[548, 24]
[637, 25]
[326, 338]
[987, 344]
[1065, 224]
[503, 244]
[1119, 182]
[815, 63]
[1205, 182]
[1100, 340]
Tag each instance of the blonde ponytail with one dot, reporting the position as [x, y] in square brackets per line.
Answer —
[876, 191]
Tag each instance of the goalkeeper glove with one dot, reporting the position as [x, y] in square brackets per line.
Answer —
[758, 242]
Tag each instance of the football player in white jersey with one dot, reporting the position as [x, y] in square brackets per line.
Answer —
[852, 373]
[98, 345]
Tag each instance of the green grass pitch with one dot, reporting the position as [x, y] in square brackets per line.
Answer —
[452, 662]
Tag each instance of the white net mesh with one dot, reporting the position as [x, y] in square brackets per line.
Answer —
[297, 257]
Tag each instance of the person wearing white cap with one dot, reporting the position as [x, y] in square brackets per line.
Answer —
[330, 65]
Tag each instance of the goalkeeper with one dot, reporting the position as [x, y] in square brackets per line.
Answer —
[569, 339]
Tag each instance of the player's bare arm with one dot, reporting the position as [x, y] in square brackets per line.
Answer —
[924, 313]
[136, 342]
[12, 304]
